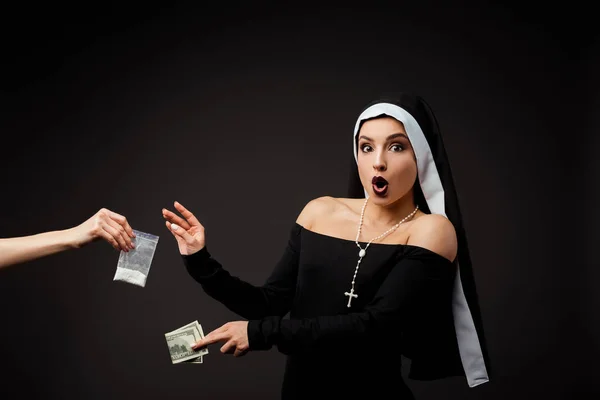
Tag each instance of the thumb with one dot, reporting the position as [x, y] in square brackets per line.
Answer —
[189, 239]
[179, 232]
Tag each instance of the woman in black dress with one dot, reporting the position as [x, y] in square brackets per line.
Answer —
[366, 279]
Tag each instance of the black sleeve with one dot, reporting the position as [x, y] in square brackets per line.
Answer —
[415, 277]
[274, 298]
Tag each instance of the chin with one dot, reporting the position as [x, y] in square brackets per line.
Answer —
[381, 199]
[384, 200]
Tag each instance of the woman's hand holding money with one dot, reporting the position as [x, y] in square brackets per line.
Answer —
[234, 334]
[188, 231]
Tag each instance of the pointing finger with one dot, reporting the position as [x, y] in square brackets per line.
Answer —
[208, 339]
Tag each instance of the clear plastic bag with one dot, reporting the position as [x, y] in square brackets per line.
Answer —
[134, 265]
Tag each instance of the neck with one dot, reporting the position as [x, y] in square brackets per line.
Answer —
[385, 216]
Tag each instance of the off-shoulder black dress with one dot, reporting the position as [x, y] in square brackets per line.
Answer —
[403, 306]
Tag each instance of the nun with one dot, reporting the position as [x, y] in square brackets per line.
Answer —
[363, 280]
[437, 344]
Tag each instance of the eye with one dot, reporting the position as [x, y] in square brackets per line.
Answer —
[396, 147]
[365, 147]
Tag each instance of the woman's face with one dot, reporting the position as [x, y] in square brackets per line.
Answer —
[386, 162]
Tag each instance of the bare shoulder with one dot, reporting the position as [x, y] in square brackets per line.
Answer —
[316, 208]
[436, 233]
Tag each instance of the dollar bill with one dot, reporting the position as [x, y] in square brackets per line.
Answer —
[180, 343]
[202, 352]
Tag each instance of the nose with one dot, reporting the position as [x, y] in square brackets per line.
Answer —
[379, 163]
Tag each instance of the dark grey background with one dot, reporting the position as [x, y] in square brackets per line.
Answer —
[245, 114]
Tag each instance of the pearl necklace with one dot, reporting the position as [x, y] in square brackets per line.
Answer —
[363, 252]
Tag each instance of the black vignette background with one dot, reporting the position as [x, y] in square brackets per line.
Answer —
[134, 107]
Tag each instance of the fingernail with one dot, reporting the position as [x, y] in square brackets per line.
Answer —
[174, 226]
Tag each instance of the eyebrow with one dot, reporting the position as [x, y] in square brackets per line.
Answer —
[392, 136]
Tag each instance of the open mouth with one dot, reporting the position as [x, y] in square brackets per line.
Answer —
[380, 185]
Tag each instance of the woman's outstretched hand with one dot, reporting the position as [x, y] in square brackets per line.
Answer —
[188, 231]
